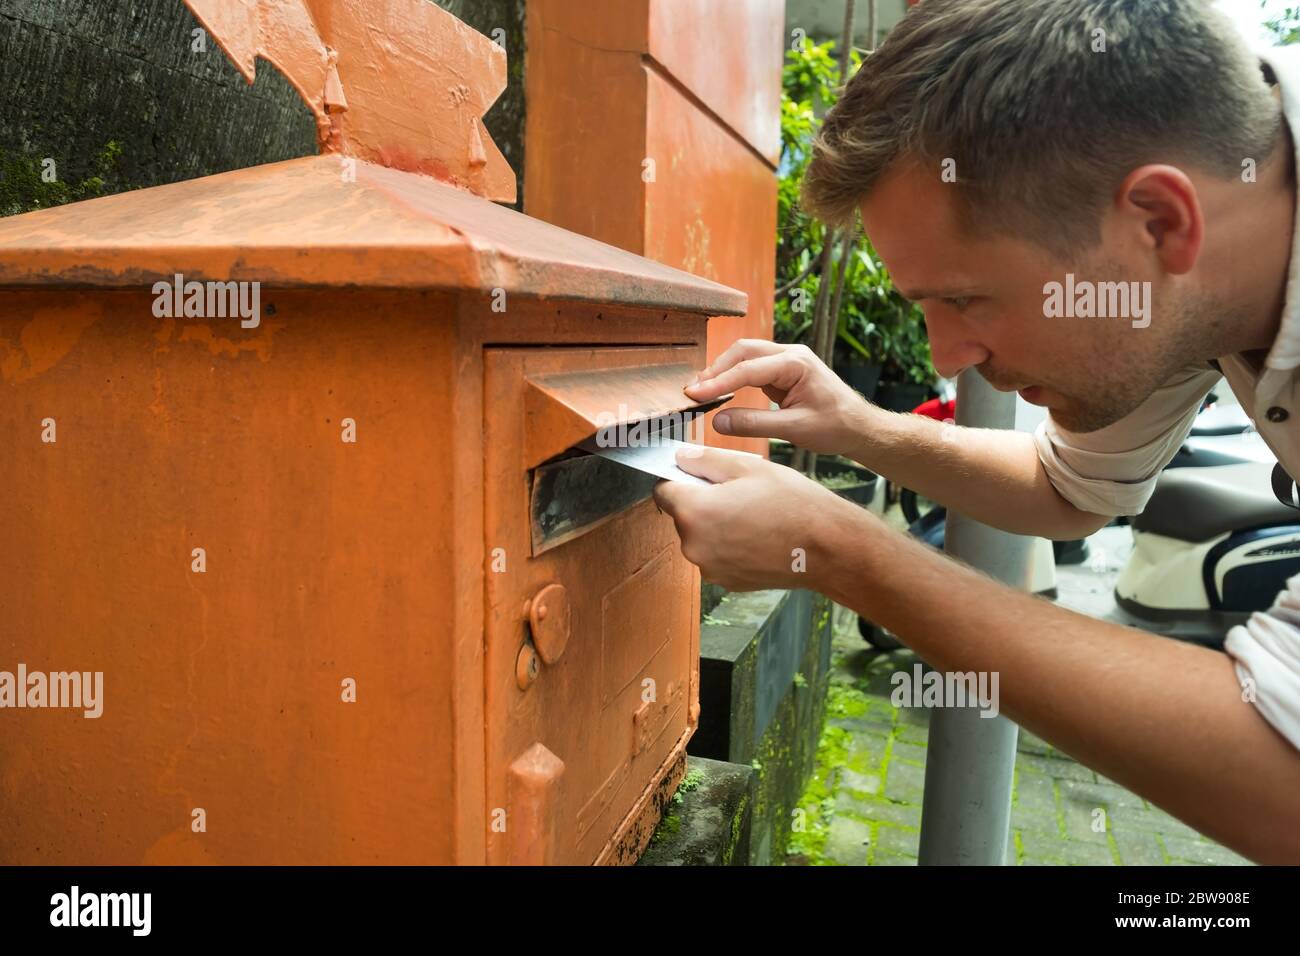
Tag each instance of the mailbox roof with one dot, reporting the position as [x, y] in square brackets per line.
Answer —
[299, 224]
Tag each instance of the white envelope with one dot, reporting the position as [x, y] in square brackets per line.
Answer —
[657, 456]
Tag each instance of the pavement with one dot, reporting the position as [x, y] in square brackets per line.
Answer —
[862, 805]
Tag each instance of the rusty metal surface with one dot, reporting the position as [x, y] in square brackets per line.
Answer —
[329, 561]
[324, 561]
[615, 389]
[401, 83]
[549, 620]
[626, 394]
[732, 63]
[636, 831]
[297, 223]
[713, 213]
[633, 640]
[669, 113]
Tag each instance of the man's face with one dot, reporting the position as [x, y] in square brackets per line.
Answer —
[983, 299]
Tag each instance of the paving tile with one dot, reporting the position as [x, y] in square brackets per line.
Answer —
[1028, 743]
[859, 783]
[1036, 794]
[1088, 854]
[1201, 851]
[886, 858]
[1100, 795]
[1085, 820]
[897, 840]
[881, 811]
[912, 753]
[1056, 768]
[915, 716]
[918, 734]
[904, 782]
[1154, 820]
[1139, 849]
[867, 751]
[867, 724]
[848, 842]
[1043, 848]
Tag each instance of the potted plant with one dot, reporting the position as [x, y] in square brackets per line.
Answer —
[846, 478]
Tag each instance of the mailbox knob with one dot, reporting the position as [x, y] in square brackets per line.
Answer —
[548, 617]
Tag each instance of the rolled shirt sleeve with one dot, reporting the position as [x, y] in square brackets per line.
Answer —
[1266, 652]
[1113, 471]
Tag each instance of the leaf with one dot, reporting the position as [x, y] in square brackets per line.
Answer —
[847, 336]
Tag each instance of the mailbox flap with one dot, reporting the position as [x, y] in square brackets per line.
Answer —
[564, 408]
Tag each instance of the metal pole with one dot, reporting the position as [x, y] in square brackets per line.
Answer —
[966, 812]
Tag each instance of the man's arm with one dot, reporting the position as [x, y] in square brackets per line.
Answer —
[1163, 718]
[995, 477]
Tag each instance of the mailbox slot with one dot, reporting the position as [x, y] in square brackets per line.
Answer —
[577, 490]
[574, 491]
[574, 495]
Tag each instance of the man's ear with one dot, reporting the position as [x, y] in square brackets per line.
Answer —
[1160, 204]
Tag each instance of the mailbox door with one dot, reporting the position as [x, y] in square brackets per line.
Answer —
[592, 644]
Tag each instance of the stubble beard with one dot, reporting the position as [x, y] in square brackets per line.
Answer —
[1129, 371]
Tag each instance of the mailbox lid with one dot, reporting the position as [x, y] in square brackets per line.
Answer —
[326, 221]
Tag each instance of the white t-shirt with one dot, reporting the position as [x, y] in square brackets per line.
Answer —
[1113, 470]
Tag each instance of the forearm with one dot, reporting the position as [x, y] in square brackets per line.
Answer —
[1163, 718]
[994, 476]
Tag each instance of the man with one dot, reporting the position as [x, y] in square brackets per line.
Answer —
[1110, 140]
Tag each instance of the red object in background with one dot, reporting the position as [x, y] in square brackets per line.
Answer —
[938, 410]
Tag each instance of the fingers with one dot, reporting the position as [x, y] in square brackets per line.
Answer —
[703, 389]
[754, 423]
[715, 464]
[666, 495]
[779, 369]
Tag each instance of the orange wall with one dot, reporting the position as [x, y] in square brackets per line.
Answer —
[694, 88]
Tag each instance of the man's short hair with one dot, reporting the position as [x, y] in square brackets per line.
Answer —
[1041, 126]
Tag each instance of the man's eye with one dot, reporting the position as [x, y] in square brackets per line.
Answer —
[959, 304]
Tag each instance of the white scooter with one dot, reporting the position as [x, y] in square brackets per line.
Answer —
[1213, 544]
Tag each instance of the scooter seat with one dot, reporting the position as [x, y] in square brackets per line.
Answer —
[1197, 504]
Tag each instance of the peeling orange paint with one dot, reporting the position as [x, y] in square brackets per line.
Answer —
[52, 333]
[259, 345]
[180, 847]
[158, 406]
[695, 258]
[166, 328]
[403, 83]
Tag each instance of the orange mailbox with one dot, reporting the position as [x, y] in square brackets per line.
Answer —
[290, 494]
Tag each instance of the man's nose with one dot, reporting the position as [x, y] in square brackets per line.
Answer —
[952, 349]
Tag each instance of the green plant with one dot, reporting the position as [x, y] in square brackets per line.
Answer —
[24, 187]
[1284, 26]
[875, 324]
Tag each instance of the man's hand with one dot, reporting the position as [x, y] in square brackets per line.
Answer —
[761, 526]
[994, 477]
[818, 411]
